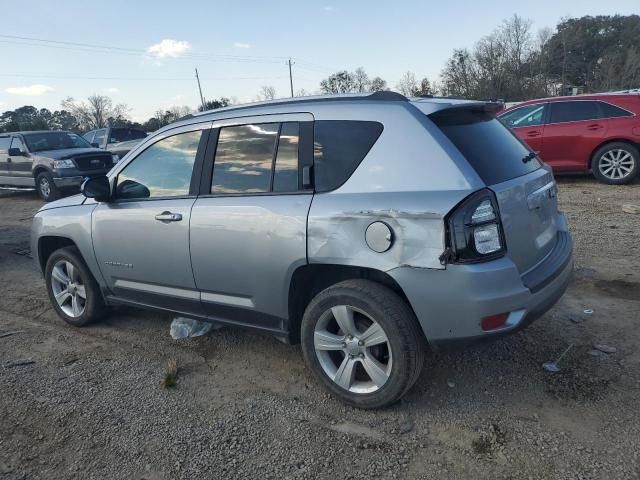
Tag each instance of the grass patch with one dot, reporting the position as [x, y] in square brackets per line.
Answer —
[170, 378]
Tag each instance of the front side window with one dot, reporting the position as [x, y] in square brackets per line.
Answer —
[125, 134]
[89, 136]
[162, 170]
[527, 116]
[16, 142]
[4, 143]
[244, 158]
[574, 111]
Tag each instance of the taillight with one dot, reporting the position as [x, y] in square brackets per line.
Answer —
[474, 229]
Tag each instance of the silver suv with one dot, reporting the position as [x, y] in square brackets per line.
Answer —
[361, 226]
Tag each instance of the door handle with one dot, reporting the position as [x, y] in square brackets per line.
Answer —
[169, 217]
[534, 133]
[595, 126]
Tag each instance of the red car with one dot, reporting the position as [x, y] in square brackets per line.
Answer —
[586, 133]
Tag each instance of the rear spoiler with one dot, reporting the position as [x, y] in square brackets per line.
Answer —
[429, 108]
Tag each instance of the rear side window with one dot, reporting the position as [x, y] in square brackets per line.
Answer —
[611, 111]
[338, 148]
[573, 111]
[492, 149]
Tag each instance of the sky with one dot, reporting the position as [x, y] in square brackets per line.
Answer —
[239, 46]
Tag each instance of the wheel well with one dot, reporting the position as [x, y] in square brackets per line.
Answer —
[611, 140]
[48, 245]
[38, 170]
[309, 280]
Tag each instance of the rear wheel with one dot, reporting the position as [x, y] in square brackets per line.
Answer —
[46, 187]
[616, 163]
[363, 342]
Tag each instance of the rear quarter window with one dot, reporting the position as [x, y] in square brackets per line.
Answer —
[494, 152]
[338, 148]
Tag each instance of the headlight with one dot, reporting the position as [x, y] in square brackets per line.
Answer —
[63, 164]
[115, 158]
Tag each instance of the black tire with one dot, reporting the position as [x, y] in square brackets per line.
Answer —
[94, 307]
[46, 187]
[599, 161]
[405, 339]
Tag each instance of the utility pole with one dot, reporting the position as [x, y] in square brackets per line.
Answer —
[290, 77]
[200, 90]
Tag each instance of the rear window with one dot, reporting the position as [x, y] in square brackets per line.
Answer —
[492, 149]
[338, 148]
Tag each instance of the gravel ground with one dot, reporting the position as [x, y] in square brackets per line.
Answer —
[90, 405]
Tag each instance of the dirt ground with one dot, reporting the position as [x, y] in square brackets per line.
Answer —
[90, 404]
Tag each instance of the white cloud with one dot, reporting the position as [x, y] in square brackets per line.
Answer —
[112, 90]
[169, 48]
[328, 8]
[241, 45]
[32, 90]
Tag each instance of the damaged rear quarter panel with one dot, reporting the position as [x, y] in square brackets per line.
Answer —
[338, 222]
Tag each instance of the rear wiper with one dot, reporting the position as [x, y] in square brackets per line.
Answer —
[529, 157]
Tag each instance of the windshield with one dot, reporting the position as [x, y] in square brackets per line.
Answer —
[38, 142]
[125, 134]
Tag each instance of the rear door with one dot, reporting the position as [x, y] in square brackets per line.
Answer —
[248, 227]
[528, 123]
[525, 190]
[574, 130]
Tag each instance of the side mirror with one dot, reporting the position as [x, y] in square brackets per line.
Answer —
[95, 145]
[98, 188]
[16, 152]
[132, 189]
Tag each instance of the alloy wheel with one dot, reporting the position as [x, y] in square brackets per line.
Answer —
[353, 349]
[68, 288]
[616, 164]
[45, 187]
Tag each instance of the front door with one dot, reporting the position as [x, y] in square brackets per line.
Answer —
[141, 237]
[248, 227]
[527, 123]
[572, 133]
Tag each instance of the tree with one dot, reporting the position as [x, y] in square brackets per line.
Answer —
[424, 89]
[215, 103]
[303, 93]
[361, 80]
[407, 84]
[378, 85]
[267, 92]
[95, 112]
[340, 82]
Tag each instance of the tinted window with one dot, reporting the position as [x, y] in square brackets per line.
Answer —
[492, 150]
[573, 111]
[125, 134]
[162, 170]
[339, 146]
[244, 157]
[285, 176]
[527, 116]
[39, 142]
[89, 136]
[100, 136]
[611, 111]
[16, 142]
[4, 143]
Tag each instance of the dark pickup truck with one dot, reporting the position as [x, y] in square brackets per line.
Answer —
[53, 162]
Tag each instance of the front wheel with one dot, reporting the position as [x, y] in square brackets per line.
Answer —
[73, 291]
[616, 163]
[46, 187]
[363, 342]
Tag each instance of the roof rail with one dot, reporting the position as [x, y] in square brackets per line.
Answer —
[379, 96]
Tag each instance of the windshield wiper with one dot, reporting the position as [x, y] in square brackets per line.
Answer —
[529, 157]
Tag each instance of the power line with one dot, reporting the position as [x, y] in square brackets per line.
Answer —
[149, 79]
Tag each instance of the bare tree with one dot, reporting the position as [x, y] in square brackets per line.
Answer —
[96, 112]
[267, 92]
[303, 93]
[361, 80]
[339, 82]
[407, 85]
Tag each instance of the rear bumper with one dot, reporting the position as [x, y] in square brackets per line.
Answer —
[450, 304]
